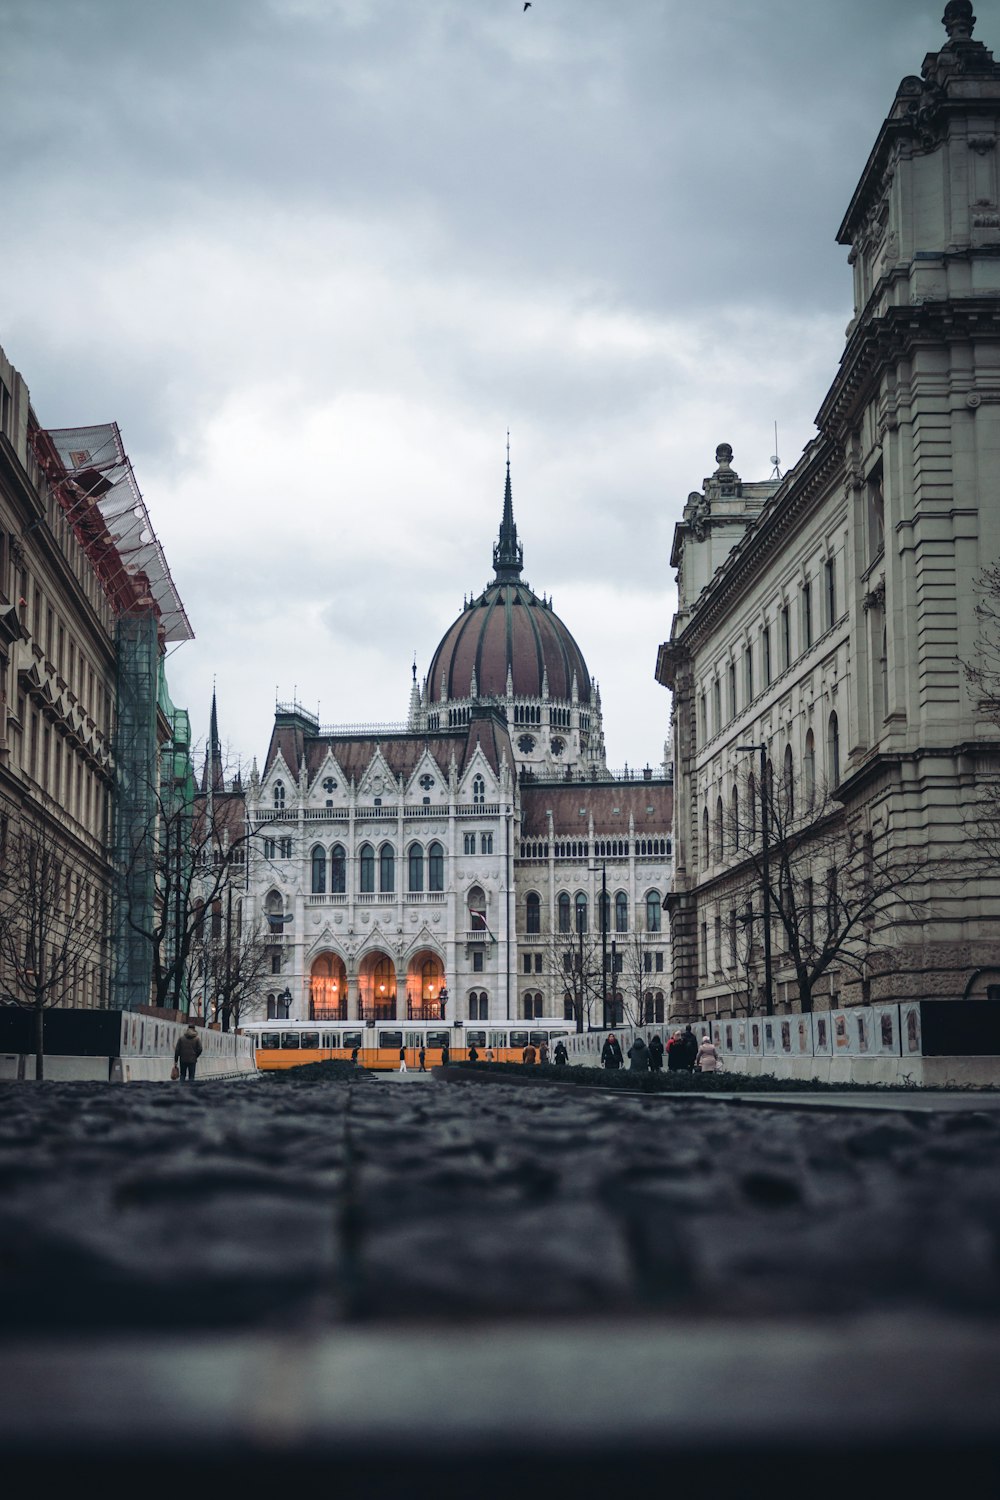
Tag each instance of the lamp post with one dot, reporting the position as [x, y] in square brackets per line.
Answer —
[286, 1000]
[765, 872]
[604, 941]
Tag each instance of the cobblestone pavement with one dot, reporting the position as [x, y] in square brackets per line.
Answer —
[301, 1274]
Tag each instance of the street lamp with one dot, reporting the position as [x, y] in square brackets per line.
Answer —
[286, 999]
[765, 872]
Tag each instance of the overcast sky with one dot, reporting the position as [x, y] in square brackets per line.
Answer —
[316, 256]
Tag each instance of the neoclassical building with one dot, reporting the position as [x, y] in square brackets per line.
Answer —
[826, 621]
[476, 862]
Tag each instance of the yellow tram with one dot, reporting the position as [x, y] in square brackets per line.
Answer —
[289, 1044]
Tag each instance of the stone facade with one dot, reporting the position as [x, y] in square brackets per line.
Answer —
[442, 868]
[831, 617]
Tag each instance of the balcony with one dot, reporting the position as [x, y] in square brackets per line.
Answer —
[478, 935]
[326, 900]
[328, 1012]
[385, 1010]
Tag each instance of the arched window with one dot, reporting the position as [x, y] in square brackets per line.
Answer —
[274, 911]
[564, 919]
[621, 912]
[478, 791]
[605, 907]
[416, 867]
[654, 911]
[318, 870]
[538, 1003]
[720, 832]
[478, 1006]
[529, 1007]
[279, 794]
[366, 859]
[338, 870]
[569, 1010]
[789, 787]
[476, 901]
[706, 850]
[809, 770]
[386, 868]
[581, 912]
[435, 868]
[735, 815]
[833, 750]
[533, 913]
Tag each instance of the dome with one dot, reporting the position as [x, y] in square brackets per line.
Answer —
[508, 629]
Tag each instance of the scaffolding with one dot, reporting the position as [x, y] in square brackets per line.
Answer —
[95, 486]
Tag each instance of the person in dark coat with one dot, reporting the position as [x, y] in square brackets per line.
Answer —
[655, 1050]
[445, 1055]
[187, 1053]
[473, 1054]
[354, 1056]
[611, 1052]
[638, 1057]
[561, 1055]
[690, 1048]
[676, 1053]
[422, 1055]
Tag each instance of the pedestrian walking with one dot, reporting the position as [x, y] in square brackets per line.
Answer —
[354, 1056]
[445, 1054]
[543, 1054]
[422, 1055]
[690, 1048]
[561, 1055]
[655, 1049]
[611, 1052]
[402, 1059]
[708, 1056]
[676, 1053]
[489, 1055]
[187, 1053]
[638, 1057]
[528, 1055]
[473, 1054]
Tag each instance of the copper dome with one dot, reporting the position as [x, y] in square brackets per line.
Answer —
[508, 628]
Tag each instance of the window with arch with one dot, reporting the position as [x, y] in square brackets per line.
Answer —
[789, 787]
[476, 903]
[478, 791]
[366, 862]
[569, 1009]
[621, 912]
[833, 749]
[318, 870]
[809, 770]
[435, 868]
[563, 908]
[486, 843]
[581, 912]
[720, 831]
[706, 848]
[279, 794]
[734, 804]
[478, 1006]
[338, 870]
[533, 913]
[415, 872]
[654, 911]
[274, 911]
[387, 869]
[751, 807]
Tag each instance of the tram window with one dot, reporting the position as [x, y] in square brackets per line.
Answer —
[310, 1039]
[498, 1038]
[269, 1040]
[439, 1039]
[390, 1038]
[351, 1039]
[413, 1038]
[538, 1037]
[555, 1035]
[519, 1039]
[290, 1040]
[476, 1038]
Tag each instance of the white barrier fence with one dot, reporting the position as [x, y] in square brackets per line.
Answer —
[144, 1053]
[857, 1044]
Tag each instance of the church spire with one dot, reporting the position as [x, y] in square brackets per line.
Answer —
[508, 554]
[213, 777]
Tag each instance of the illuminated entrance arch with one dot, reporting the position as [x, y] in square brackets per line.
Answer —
[377, 987]
[328, 988]
[426, 995]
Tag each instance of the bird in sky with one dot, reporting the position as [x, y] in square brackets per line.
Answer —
[527, 6]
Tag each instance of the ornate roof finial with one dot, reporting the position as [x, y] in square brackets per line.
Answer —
[958, 20]
[724, 456]
[508, 554]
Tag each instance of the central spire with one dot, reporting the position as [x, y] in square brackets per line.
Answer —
[508, 554]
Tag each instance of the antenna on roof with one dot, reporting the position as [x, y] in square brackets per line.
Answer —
[776, 471]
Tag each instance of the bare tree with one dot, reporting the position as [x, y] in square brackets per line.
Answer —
[639, 978]
[833, 879]
[231, 960]
[194, 850]
[52, 922]
[983, 676]
[576, 964]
